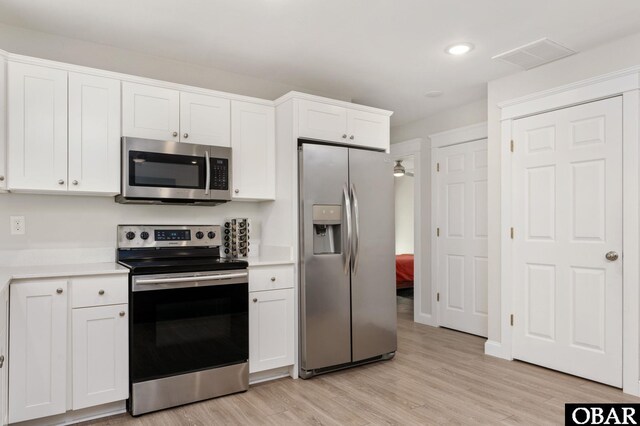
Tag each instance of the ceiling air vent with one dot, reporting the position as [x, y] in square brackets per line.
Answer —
[534, 54]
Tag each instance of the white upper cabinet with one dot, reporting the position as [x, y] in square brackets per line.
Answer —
[368, 129]
[38, 349]
[94, 134]
[254, 151]
[332, 123]
[205, 119]
[37, 128]
[150, 112]
[3, 123]
[322, 121]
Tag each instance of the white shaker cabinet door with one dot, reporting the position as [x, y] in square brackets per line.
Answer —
[205, 120]
[100, 355]
[37, 111]
[3, 124]
[94, 134]
[322, 121]
[4, 356]
[150, 112]
[368, 129]
[254, 151]
[271, 320]
[38, 349]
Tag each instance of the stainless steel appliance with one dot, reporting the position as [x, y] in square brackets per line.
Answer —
[237, 238]
[347, 266]
[166, 172]
[189, 322]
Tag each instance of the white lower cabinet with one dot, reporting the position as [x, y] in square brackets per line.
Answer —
[96, 351]
[4, 356]
[100, 355]
[271, 331]
[38, 349]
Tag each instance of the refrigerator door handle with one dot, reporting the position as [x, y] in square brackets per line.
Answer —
[356, 239]
[347, 208]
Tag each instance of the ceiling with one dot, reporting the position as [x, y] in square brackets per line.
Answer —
[384, 53]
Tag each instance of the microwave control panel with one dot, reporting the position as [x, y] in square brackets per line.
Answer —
[219, 174]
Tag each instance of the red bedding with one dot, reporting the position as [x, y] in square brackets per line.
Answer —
[404, 270]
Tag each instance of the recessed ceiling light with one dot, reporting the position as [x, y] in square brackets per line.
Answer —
[459, 48]
[433, 93]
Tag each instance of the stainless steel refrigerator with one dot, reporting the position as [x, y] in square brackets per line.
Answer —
[347, 258]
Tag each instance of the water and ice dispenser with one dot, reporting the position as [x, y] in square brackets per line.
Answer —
[327, 229]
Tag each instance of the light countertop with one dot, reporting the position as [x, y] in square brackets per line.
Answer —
[11, 273]
[269, 261]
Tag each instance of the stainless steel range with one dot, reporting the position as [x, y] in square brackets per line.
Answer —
[189, 331]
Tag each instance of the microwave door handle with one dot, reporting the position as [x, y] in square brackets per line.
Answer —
[208, 172]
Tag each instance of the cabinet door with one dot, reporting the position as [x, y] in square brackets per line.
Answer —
[94, 134]
[367, 129]
[4, 356]
[150, 112]
[37, 128]
[270, 329]
[100, 355]
[3, 124]
[37, 349]
[322, 121]
[253, 140]
[205, 119]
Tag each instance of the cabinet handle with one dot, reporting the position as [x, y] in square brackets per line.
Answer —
[344, 136]
[59, 291]
[175, 134]
[273, 278]
[61, 182]
[1, 360]
[351, 137]
[255, 299]
[1, 178]
[236, 191]
[100, 292]
[121, 313]
[186, 135]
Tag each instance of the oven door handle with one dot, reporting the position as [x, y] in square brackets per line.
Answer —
[192, 278]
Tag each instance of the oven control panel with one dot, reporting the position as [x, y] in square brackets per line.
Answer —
[151, 236]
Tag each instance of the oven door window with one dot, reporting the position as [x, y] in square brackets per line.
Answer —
[158, 170]
[189, 329]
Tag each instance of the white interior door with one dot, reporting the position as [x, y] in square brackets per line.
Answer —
[462, 237]
[567, 215]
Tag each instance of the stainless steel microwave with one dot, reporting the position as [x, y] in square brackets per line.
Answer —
[166, 172]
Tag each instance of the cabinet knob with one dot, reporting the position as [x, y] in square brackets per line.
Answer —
[344, 136]
[75, 182]
[351, 137]
[175, 134]
[121, 313]
[1, 178]
[100, 292]
[255, 299]
[186, 135]
[61, 182]
[273, 278]
[236, 191]
[59, 291]
[1, 360]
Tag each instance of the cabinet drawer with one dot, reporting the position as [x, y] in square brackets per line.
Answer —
[270, 277]
[99, 291]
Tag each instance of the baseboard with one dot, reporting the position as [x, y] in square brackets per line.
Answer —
[77, 416]
[264, 376]
[496, 349]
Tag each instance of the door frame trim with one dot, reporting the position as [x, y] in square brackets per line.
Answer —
[625, 83]
[472, 133]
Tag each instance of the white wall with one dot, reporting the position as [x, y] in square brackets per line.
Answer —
[404, 214]
[613, 56]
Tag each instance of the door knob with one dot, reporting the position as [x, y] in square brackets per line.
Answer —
[612, 255]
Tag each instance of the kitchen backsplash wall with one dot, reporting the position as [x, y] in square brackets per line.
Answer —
[72, 222]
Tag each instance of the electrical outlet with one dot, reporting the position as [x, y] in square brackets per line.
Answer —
[17, 225]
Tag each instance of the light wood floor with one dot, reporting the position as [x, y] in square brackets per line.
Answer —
[438, 376]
